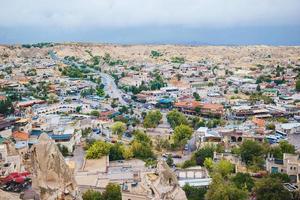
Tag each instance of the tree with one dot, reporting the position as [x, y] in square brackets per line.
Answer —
[220, 189]
[127, 153]
[223, 167]
[298, 85]
[271, 188]
[6, 107]
[270, 126]
[52, 98]
[194, 193]
[95, 113]
[170, 160]
[283, 147]
[112, 192]
[97, 150]
[203, 153]
[176, 118]
[243, 180]
[141, 150]
[152, 119]
[208, 163]
[116, 152]
[92, 195]
[142, 137]
[250, 151]
[182, 134]
[118, 128]
[78, 109]
[196, 96]
[63, 149]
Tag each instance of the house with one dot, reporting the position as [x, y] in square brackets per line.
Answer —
[290, 128]
[206, 109]
[290, 165]
[249, 88]
[270, 92]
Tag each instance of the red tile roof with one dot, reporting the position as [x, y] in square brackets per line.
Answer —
[20, 135]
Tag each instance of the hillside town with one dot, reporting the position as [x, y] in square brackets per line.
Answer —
[149, 122]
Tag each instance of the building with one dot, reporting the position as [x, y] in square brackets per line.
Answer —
[206, 109]
[290, 165]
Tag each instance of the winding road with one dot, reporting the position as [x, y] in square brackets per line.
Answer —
[110, 86]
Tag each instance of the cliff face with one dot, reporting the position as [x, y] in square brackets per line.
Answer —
[52, 178]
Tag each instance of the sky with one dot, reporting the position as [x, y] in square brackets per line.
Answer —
[199, 22]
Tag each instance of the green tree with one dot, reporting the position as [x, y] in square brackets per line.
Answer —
[203, 153]
[95, 113]
[116, 152]
[118, 128]
[6, 107]
[142, 137]
[208, 163]
[182, 134]
[243, 180]
[127, 153]
[283, 147]
[223, 167]
[141, 150]
[196, 96]
[152, 119]
[298, 85]
[97, 150]
[271, 189]
[52, 98]
[176, 118]
[170, 160]
[194, 193]
[92, 195]
[112, 192]
[221, 189]
[63, 149]
[251, 151]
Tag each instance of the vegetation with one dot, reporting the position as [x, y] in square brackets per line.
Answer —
[298, 85]
[118, 128]
[95, 113]
[176, 118]
[243, 181]
[252, 153]
[97, 150]
[141, 146]
[63, 149]
[152, 119]
[283, 147]
[112, 192]
[155, 54]
[6, 107]
[194, 193]
[177, 59]
[182, 134]
[271, 188]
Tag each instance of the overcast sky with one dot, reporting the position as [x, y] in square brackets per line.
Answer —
[135, 21]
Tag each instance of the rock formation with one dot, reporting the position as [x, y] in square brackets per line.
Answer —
[163, 185]
[51, 176]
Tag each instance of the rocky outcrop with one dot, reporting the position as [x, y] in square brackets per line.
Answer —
[52, 178]
[163, 185]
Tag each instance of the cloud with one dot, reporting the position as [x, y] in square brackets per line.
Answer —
[74, 14]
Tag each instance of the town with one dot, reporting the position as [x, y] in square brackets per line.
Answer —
[139, 122]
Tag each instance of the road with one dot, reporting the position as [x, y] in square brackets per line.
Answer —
[110, 86]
